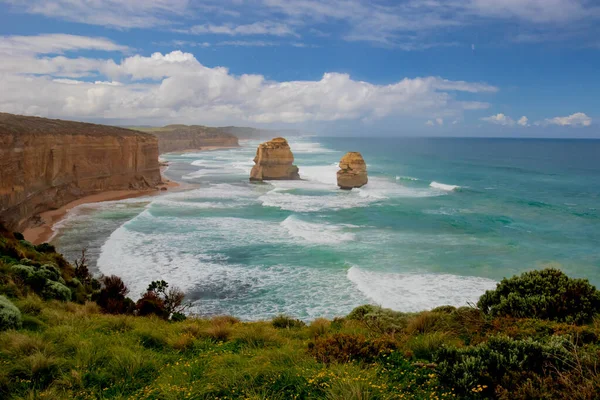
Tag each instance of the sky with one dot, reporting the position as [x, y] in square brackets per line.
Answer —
[502, 68]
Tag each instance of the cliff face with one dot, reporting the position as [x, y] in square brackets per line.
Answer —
[194, 137]
[45, 164]
[274, 161]
[353, 171]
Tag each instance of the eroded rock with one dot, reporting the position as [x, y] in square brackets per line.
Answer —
[353, 171]
[274, 161]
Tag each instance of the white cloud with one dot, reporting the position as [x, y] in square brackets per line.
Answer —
[430, 123]
[55, 44]
[499, 119]
[177, 87]
[257, 28]
[571, 120]
[114, 13]
[407, 24]
[523, 121]
[539, 11]
[439, 121]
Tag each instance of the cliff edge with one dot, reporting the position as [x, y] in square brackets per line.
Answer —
[46, 163]
[172, 138]
[274, 161]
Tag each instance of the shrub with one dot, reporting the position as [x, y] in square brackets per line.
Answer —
[45, 248]
[112, 296]
[51, 272]
[171, 298]
[10, 316]
[444, 309]
[178, 317]
[18, 236]
[546, 294]
[342, 347]
[56, 290]
[285, 322]
[22, 271]
[151, 304]
[490, 364]
[378, 319]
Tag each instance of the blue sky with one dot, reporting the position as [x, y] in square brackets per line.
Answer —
[526, 68]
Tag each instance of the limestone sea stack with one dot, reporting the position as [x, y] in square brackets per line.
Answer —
[353, 171]
[274, 161]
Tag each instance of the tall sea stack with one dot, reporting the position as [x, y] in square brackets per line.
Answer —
[353, 171]
[274, 161]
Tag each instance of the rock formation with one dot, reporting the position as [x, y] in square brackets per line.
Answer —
[353, 171]
[274, 161]
[45, 164]
[173, 138]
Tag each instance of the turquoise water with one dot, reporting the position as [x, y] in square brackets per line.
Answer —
[440, 221]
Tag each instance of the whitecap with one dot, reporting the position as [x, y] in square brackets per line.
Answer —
[443, 186]
[315, 233]
[417, 292]
[406, 178]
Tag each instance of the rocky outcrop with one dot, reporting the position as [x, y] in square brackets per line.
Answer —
[353, 171]
[45, 164]
[274, 161]
[172, 138]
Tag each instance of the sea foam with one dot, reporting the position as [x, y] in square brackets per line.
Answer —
[315, 233]
[417, 292]
[443, 186]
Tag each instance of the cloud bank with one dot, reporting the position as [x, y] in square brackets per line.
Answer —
[176, 86]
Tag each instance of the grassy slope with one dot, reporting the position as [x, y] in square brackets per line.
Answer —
[69, 350]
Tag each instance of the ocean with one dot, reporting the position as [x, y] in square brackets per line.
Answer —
[440, 222]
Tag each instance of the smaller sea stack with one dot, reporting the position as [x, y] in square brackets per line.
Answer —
[274, 161]
[353, 171]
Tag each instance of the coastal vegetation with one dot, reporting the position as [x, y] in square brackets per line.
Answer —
[66, 334]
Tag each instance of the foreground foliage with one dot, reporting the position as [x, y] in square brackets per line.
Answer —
[98, 345]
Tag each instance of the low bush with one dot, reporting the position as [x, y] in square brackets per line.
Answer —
[341, 347]
[479, 370]
[546, 294]
[45, 248]
[57, 291]
[285, 322]
[151, 304]
[10, 316]
[380, 320]
[112, 297]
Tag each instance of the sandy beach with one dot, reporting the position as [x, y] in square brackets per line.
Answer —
[44, 232]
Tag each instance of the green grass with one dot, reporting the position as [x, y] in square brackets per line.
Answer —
[69, 350]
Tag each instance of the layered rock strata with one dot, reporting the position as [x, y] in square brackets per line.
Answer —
[353, 171]
[45, 164]
[274, 161]
[172, 138]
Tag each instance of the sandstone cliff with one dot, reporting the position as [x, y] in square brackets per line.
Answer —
[274, 161]
[45, 164]
[173, 138]
[353, 171]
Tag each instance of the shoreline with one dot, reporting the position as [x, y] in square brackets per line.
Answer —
[44, 232]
